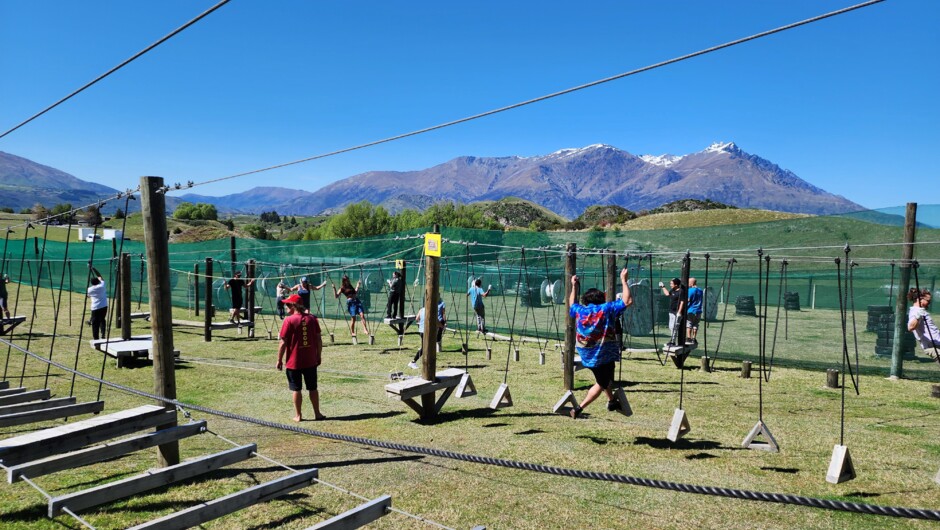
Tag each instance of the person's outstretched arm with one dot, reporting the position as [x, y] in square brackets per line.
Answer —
[321, 286]
[627, 297]
[575, 283]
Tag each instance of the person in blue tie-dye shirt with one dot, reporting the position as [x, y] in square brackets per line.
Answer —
[596, 337]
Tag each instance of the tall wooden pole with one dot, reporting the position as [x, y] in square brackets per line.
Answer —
[124, 304]
[250, 272]
[900, 304]
[196, 287]
[153, 208]
[613, 281]
[571, 262]
[432, 294]
[683, 298]
[207, 320]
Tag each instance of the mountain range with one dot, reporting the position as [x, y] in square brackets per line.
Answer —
[565, 181]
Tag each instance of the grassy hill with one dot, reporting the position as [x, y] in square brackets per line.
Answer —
[698, 218]
[513, 212]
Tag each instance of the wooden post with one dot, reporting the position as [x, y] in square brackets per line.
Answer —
[207, 328]
[401, 299]
[153, 208]
[429, 344]
[811, 293]
[832, 378]
[119, 313]
[231, 243]
[124, 304]
[900, 305]
[613, 282]
[196, 287]
[571, 262]
[683, 298]
[250, 271]
[745, 369]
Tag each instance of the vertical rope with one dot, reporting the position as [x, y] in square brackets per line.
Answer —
[55, 321]
[114, 288]
[760, 344]
[845, 349]
[16, 302]
[512, 324]
[32, 320]
[81, 328]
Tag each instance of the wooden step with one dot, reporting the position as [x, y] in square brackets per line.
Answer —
[37, 405]
[149, 480]
[7, 391]
[65, 411]
[47, 442]
[100, 453]
[231, 503]
[23, 397]
[357, 517]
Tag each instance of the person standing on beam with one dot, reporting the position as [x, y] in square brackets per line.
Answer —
[596, 337]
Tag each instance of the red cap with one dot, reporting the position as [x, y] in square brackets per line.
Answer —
[294, 299]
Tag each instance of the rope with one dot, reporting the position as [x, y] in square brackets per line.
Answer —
[781, 498]
[16, 302]
[773, 346]
[55, 322]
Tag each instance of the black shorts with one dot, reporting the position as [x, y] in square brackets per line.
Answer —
[604, 374]
[296, 377]
[693, 321]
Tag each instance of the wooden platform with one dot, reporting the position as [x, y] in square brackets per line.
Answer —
[407, 320]
[137, 316]
[215, 325]
[8, 324]
[409, 389]
[51, 413]
[139, 346]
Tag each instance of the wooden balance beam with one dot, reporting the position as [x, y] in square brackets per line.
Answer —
[8, 324]
[409, 389]
[139, 346]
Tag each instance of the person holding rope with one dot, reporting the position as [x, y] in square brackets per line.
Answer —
[596, 337]
[302, 346]
[283, 293]
[675, 306]
[353, 304]
[920, 323]
[396, 288]
[98, 293]
[695, 310]
[4, 295]
[420, 320]
[303, 289]
[477, 294]
[237, 285]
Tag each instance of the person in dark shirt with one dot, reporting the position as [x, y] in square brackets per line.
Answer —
[4, 295]
[353, 304]
[675, 306]
[237, 285]
[304, 288]
[396, 288]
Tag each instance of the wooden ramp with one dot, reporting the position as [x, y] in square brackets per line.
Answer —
[139, 346]
[101, 439]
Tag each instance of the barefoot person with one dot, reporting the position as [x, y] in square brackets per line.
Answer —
[596, 337]
[302, 346]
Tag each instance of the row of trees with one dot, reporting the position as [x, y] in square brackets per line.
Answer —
[364, 219]
[196, 212]
[63, 214]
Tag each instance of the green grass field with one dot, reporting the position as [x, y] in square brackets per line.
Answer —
[890, 429]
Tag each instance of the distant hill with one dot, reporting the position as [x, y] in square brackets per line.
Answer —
[23, 183]
[690, 205]
[515, 212]
[605, 215]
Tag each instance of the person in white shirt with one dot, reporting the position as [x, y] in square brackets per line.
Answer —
[920, 323]
[98, 293]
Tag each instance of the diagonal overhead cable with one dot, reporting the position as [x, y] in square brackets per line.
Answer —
[553, 94]
[127, 61]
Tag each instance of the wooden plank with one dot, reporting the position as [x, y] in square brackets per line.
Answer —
[231, 503]
[10, 391]
[36, 405]
[149, 480]
[412, 388]
[23, 397]
[65, 411]
[100, 453]
[47, 442]
[357, 517]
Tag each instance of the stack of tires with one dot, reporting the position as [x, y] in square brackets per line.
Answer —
[744, 306]
[662, 309]
[885, 342]
[875, 312]
[791, 301]
[528, 296]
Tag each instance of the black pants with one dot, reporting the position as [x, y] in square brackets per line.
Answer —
[98, 322]
[391, 308]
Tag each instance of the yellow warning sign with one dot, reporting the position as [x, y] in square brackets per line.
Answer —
[432, 245]
[399, 264]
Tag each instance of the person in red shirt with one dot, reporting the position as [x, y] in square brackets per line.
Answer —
[301, 345]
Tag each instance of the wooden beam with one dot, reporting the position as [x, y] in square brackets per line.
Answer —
[571, 261]
[65, 411]
[4, 384]
[47, 442]
[124, 303]
[357, 517]
[15, 390]
[231, 503]
[149, 480]
[100, 453]
[23, 397]
[37, 405]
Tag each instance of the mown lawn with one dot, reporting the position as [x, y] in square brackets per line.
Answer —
[891, 430]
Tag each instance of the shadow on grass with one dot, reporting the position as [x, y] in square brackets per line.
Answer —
[789, 470]
[367, 416]
[528, 432]
[479, 414]
[700, 456]
[308, 512]
[681, 444]
[33, 515]
[491, 425]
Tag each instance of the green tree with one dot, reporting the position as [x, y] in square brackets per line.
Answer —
[192, 212]
[361, 219]
[92, 216]
[256, 231]
[119, 214]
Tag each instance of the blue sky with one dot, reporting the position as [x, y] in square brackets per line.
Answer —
[849, 103]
